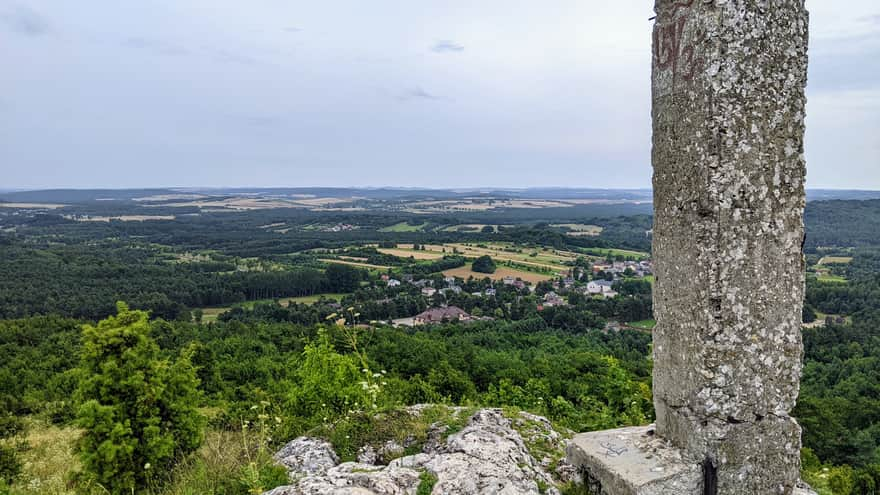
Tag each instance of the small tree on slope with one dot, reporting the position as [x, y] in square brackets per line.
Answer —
[138, 411]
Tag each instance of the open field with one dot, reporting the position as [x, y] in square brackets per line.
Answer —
[835, 259]
[543, 259]
[255, 203]
[310, 299]
[210, 314]
[406, 253]
[33, 206]
[643, 324]
[482, 204]
[580, 229]
[471, 227]
[616, 252]
[404, 227]
[465, 272]
[356, 263]
[827, 277]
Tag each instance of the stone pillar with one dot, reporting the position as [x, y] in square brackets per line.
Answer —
[728, 117]
[728, 110]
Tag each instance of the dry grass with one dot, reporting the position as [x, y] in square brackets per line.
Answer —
[406, 253]
[355, 263]
[212, 469]
[580, 229]
[48, 461]
[502, 271]
[550, 260]
[835, 259]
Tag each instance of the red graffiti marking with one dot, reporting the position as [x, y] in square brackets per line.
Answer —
[668, 49]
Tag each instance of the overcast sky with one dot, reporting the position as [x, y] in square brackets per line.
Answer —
[438, 93]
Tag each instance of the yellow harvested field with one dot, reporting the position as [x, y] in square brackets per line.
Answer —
[465, 272]
[235, 204]
[171, 197]
[482, 204]
[355, 263]
[323, 201]
[545, 259]
[47, 206]
[406, 253]
[835, 259]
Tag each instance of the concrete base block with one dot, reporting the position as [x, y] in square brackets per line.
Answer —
[635, 461]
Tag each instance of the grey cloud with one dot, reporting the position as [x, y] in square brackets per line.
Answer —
[24, 20]
[155, 46]
[292, 29]
[223, 55]
[417, 93]
[447, 46]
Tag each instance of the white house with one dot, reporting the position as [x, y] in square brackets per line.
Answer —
[599, 286]
[393, 283]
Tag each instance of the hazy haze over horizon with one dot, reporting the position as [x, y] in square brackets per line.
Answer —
[342, 93]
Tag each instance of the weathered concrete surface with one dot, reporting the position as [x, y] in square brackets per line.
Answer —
[633, 461]
[728, 120]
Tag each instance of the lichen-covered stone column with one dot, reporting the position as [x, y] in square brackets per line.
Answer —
[728, 113]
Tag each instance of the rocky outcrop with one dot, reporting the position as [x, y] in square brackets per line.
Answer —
[488, 456]
[307, 456]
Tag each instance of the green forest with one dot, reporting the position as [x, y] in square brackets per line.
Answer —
[94, 314]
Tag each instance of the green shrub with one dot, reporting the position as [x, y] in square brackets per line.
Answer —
[426, 483]
[10, 464]
[484, 264]
[138, 411]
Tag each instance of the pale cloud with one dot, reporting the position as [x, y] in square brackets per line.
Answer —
[346, 92]
[25, 20]
[446, 46]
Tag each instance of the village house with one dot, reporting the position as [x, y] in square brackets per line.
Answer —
[553, 299]
[428, 291]
[449, 280]
[393, 283]
[454, 289]
[439, 315]
[490, 292]
[599, 287]
[508, 280]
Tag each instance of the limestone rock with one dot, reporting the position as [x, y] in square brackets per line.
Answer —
[307, 456]
[488, 456]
